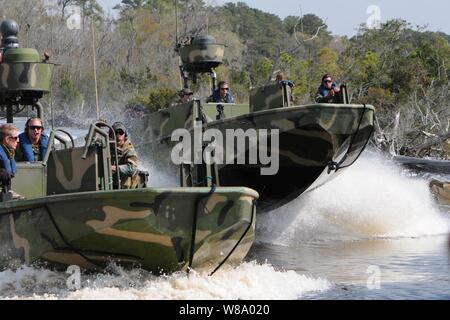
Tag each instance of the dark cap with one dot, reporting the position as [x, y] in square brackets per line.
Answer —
[119, 126]
[185, 92]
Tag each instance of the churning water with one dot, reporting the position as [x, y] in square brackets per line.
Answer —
[248, 281]
[373, 232]
[374, 199]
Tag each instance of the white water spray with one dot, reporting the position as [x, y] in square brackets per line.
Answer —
[249, 281]
[373, 199]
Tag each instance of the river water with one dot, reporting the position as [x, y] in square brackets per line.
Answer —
[374, 232]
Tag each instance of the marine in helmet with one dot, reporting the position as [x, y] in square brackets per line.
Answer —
[127, 158]
[185, 95]
[282, 79]
[33, 142]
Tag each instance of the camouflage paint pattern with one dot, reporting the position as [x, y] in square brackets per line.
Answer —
[18, 73]
[72, 216]
[269, 97]
[201, 57]
[311, 136]
[163, 122]
[79, 222]
[68, 172]
[149, 228]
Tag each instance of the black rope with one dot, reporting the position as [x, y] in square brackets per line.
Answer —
[194, 226]
[362, 149]
[334, 166]
[240, 240]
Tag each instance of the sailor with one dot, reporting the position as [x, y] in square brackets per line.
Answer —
[328, 91]
[127, 158]
[33, 142]
[185, 95]
[9, 139]
[223, 93]
[281, 79]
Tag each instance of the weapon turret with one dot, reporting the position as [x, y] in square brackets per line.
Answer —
[24, 76]
[200, 55]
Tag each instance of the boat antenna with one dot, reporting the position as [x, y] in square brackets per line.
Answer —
[176, 23]
[95, 67]
[177, 44]
[51, 95]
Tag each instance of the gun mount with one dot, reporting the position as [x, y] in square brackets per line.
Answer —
[200, 55]
[24, 76]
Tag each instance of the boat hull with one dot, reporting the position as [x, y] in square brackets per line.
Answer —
[312, 140]
[148, 228]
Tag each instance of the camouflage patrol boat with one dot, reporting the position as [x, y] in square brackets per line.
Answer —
[72, 210]
[316, 141]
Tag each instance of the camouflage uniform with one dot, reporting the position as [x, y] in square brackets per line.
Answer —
[127, 164]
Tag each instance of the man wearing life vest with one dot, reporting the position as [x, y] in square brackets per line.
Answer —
[33, 142]
[9, 139]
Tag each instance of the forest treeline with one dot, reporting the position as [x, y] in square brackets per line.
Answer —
[401, 69]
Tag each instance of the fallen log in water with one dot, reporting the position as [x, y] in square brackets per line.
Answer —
[427, 165]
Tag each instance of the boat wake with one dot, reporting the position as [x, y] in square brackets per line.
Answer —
[249, 281]
[375, 198]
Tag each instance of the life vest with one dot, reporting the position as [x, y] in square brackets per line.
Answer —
[27, 148]
[217, 98]
[7, 163]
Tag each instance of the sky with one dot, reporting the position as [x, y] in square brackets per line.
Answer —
[343, 17]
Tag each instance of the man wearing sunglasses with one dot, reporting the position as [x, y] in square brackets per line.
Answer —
[33, 142]
[328, 91]
[127, 158]
[9, 138]
[185, 95]
[223, 93]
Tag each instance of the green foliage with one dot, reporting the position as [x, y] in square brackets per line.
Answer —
[311, 23]
[261, 68]
[138, 80]
[262, 32]
[291, 24]
[379, 97]
[154, 99]
[68, 90]
[394, 66]
[327, 63]
[130, 4]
